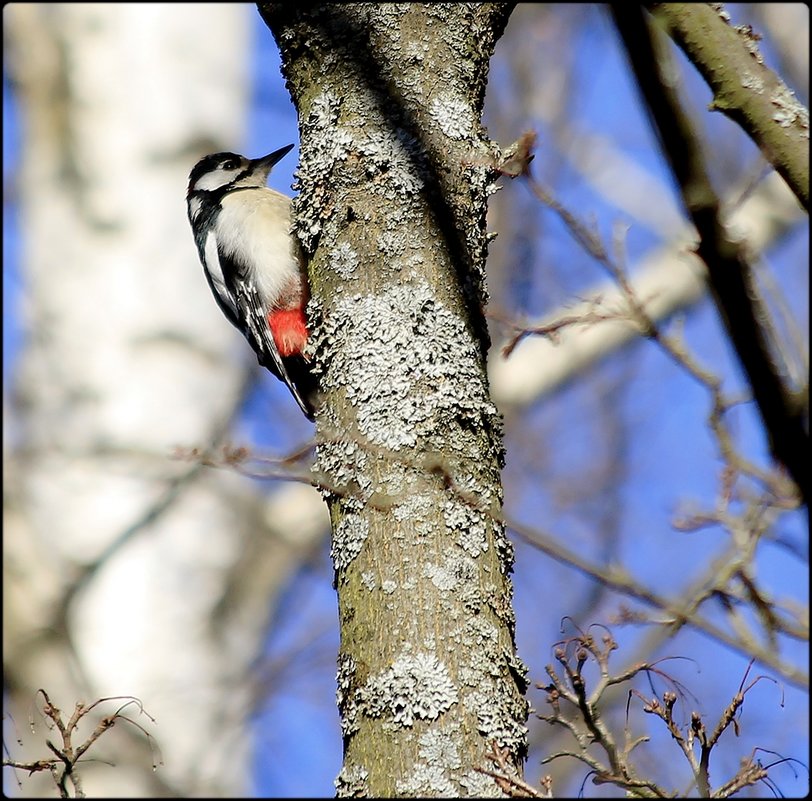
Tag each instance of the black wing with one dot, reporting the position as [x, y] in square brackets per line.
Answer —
[238, 297]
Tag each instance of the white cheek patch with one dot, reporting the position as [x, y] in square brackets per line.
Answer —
[215, 180]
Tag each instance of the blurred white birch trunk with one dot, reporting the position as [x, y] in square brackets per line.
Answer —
[125, 357]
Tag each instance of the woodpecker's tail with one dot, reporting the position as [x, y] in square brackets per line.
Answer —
[299, 379]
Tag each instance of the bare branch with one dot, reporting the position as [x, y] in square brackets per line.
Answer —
[730, 275]
[744, 88]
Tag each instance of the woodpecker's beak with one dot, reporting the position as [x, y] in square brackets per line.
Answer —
[263, 166]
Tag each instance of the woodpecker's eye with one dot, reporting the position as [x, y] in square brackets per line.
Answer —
[229, 164]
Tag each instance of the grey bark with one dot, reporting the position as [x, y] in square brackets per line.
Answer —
[396, 171]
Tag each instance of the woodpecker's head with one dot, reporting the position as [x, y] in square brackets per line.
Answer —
[222, 172]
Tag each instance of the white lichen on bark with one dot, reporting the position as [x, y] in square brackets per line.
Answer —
[393, 185]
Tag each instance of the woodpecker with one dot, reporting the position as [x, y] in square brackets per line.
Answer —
[253, 263]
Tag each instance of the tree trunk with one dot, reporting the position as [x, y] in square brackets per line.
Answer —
[396, 170]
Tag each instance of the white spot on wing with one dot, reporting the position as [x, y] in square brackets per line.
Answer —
[215, 271]
[195, 205]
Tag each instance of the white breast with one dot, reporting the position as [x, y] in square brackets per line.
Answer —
[254, 228]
